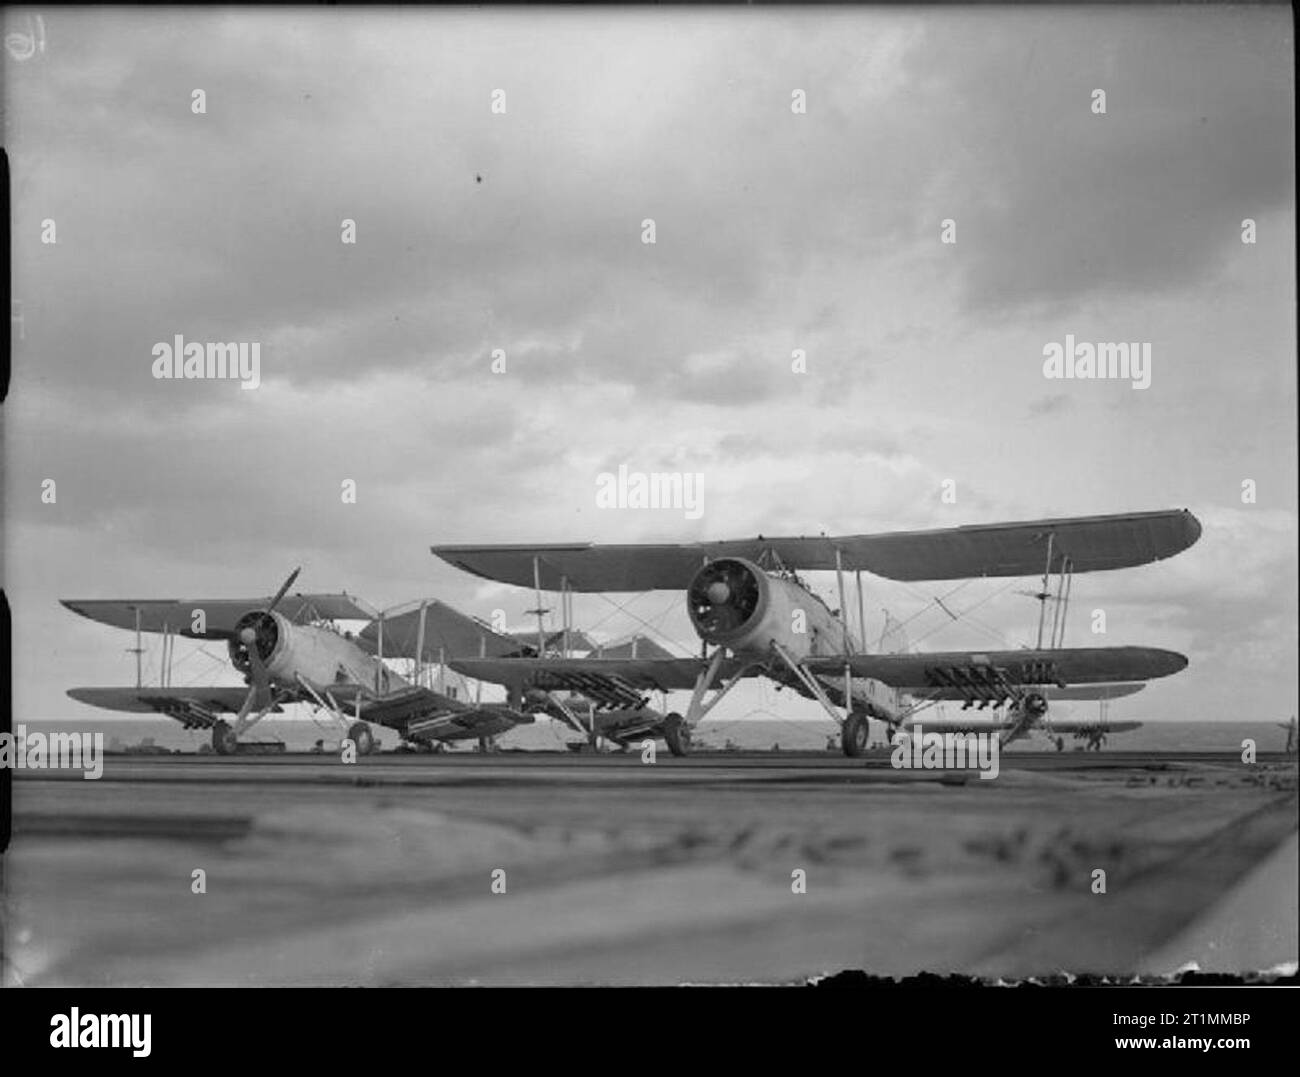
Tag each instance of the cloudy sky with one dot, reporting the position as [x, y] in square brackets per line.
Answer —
[775, 230]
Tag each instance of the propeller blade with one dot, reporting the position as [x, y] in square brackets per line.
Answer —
[283, 588]
[261, 689]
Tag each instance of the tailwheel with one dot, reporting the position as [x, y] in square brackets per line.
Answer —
[360, 735]
[854, 735]
[224, 741]
[677, 734]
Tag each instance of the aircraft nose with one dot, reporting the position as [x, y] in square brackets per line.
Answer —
[718, 592]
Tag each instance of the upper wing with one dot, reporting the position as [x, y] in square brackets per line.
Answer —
[1091, 543]
[220, 614]
[593, 676]
[970, 671]
[447, 633]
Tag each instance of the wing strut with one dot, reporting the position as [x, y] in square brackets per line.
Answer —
[1064, 574]
[1044, 593]
[844, 610]
[419, 642]
[137, 650]
[862, 615]
[537, 586]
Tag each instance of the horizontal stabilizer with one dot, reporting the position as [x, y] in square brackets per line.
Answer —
[554, 639]
[636, 647]
[448, 633]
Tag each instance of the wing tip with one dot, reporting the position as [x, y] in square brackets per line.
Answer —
[1167, 662]
[1192, 527]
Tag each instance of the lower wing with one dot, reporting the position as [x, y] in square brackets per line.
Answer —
[194, 708]
[980, 672]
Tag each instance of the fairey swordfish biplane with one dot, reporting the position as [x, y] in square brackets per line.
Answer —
[290, 649]
[755, 616]
[746, 602]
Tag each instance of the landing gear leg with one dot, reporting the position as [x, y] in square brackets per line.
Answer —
[224, 741]
[854, 735]
[677, 734]
[360, 735]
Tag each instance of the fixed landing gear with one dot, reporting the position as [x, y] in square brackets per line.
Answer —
[854, 734]
[677, 734]
[359, 734]
[224, 741]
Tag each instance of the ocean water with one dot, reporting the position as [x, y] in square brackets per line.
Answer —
[301, 734]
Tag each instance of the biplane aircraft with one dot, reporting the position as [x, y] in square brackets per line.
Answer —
[748, 603]
[1093, 732]
[289, 650]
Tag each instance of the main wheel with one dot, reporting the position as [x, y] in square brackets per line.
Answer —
[223, 738]
[360, 735]
[677, 734]
[854, 735]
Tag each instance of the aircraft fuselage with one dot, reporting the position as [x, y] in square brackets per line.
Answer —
[318, 655]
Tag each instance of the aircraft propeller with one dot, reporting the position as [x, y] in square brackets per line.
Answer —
[259, 633]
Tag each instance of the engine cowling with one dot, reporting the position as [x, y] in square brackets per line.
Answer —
[735, 604]
[270, 634]
[726, 598]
